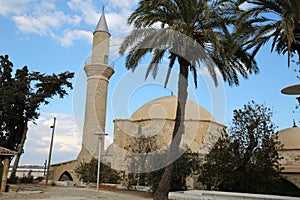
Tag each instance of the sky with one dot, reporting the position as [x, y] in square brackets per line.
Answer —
[54, 36]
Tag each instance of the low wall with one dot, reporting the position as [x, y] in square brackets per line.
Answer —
[35, 172]
[213, 195]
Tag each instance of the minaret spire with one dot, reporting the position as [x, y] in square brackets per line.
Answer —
[102, 25]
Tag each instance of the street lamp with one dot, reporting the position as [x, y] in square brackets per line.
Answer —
[101, 136]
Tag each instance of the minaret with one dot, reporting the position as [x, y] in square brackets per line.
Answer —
[98, 73]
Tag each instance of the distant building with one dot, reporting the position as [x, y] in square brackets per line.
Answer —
[35, 171]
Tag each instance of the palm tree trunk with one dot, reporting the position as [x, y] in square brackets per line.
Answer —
[20, 151]
[164, 186]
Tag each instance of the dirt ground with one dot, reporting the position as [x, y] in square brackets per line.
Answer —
[42, 191]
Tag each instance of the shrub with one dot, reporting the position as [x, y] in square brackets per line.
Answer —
[27, 178]
[88, 172]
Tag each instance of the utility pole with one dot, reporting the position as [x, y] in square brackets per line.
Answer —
[50, 151]
[45, 167]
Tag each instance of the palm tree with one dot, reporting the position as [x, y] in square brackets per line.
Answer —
[193, 34]
[275, 20]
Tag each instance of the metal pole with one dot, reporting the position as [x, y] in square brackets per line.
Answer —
[50, 151]
[99, 157]
[45, 167]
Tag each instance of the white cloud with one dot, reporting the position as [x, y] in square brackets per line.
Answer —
[124, 4]
[66, 25]
[69, 36]
[117, 22]
[41, 25]
[87, 10]
[43, 18]
[66, 142]
[67, 138]
[44, 22]
[8, 7]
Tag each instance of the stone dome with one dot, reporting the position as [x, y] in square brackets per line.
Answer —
[165, 108]
[290, 138]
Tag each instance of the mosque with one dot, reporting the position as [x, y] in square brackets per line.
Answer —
[153, 122]
[152, 125]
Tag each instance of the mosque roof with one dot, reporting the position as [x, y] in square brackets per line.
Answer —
[102, 25]
[290, 138]
[165, 108]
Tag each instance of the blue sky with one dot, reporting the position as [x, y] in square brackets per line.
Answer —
[55, 36]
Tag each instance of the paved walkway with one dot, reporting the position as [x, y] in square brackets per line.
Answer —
[73, 193]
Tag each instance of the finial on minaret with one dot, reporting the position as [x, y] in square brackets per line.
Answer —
[294, 124]
[102, 25]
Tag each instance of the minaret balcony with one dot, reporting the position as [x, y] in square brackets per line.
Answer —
[97, 69]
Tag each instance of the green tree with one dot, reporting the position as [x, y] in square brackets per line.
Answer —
[185, 166]
[138, 149]
[88, 172]
[22, 95]
[247, 160]
[275, 20]
[194, 33]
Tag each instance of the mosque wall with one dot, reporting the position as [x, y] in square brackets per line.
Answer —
[291, 165]
[197, 134]
[290, 157]
[290, 152]
[132, 138]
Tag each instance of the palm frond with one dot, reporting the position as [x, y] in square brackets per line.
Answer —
[193, 31]
[158, 54]
[281, 28]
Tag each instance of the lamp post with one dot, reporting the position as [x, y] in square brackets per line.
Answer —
[50, 151]
[101, 136]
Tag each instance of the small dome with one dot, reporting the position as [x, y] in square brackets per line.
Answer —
[165, 108]
[290, 138]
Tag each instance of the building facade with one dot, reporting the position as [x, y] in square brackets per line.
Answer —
[290, 152]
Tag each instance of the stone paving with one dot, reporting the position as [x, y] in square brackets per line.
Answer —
[73, 193]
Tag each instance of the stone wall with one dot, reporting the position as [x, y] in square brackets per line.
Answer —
[207, 195]
[56, 171]
[198, 135]
[291, 164]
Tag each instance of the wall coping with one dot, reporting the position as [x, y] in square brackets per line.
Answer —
[204, 195]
